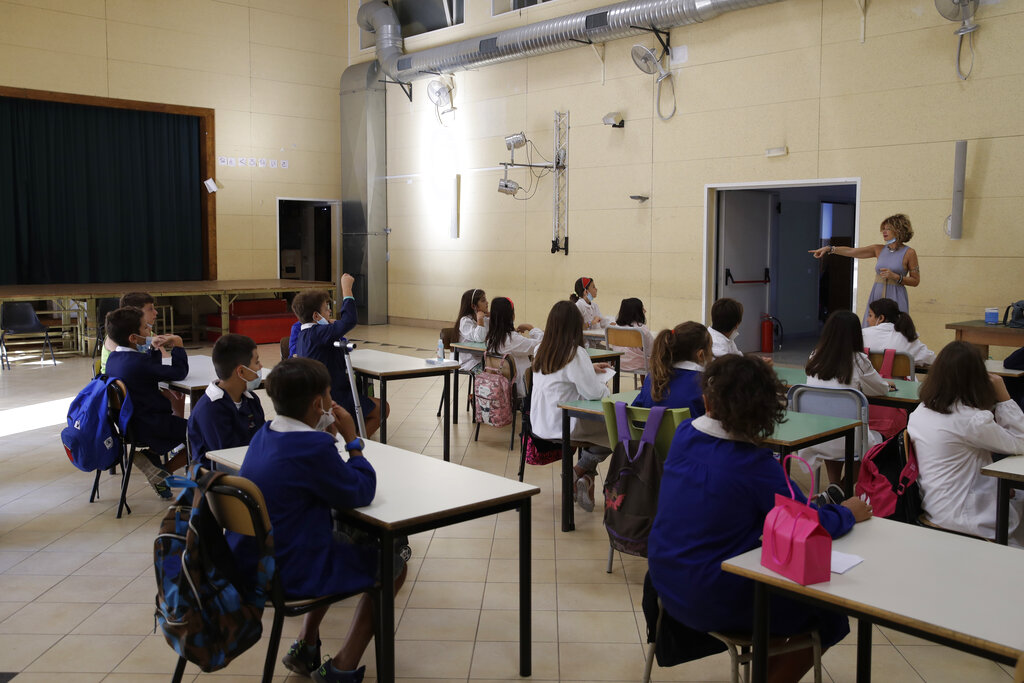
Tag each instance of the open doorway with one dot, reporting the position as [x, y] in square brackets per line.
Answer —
[757, 243]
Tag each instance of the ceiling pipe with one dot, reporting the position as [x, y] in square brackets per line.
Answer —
[599, 25]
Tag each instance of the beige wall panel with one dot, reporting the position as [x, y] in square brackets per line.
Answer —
[304, 167]
[607, 187]
[453, 269]
[234, 264]
[985, 108]
[294, 99]
[233, 130]
[265, 193]
[48, 30]
[993, 166]
[677, 230]
[615, 231]
[842, 22]
[298, 33]
[235, 197]
[23, 67]
[739, 132]
[498, 81]
[130, 80]
[265, 263]
[677, 274]
[923, 171]
[264, 232]
[234, 231]
[149, 45]
[480, 194]
[485, 119]
[486, 232]
[681, 183]
[89, 8]
[334, 11]
[587, 103]
[297, 66]
[227, 21]
[671, 310]
[567, 69]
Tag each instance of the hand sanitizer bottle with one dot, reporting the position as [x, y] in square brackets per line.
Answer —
[440, 350]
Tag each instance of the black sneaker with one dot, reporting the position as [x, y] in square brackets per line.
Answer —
[301, 658]
[149, 464]
[833, 495]
[327, 673]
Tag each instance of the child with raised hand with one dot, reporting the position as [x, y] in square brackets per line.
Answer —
[633, 314]
[890, 328]
[316, 340]
[472, 323]
[504, 338]
[726, 316]
[965, 416]
[313, 560]
[584, 293]
[562, 371]
[718, 486]
[839, 361]
[229, 412]
[677, 363]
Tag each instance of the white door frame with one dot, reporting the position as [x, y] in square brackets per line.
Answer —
[335, 235]
[711, 220]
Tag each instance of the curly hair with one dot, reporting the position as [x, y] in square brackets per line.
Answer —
[900, 224]
[745, 395]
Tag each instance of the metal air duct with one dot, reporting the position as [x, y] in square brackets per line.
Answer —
[598, 25]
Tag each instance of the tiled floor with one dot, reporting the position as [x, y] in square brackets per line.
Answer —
[77, 587]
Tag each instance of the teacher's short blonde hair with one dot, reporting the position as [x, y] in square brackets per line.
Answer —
[900, 224]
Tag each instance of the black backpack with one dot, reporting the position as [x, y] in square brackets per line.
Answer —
[631, 487]
[1014, 314]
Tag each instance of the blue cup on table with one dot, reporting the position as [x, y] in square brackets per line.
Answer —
[991, 316]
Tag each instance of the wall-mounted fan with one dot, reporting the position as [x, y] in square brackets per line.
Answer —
[439, 91]
[959, 10]
[648, 62]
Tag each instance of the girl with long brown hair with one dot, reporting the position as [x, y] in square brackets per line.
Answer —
[677, 362]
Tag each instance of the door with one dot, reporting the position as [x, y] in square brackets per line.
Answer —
[744, 245]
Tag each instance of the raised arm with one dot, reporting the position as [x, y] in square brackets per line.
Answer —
[870, 251]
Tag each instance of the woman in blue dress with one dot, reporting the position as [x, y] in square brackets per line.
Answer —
[897, 266]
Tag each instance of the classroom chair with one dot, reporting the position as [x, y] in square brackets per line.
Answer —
[238, 506]
[903, 363]
[739, 647]
[507, 366]
[285, 353]
[628, 337]
[103, 306]
[637, 419]
[834, 402]
[18, 317]
[449, 336]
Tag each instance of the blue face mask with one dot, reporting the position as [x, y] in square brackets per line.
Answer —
[143, 348]
[892, 241]
[322, 321]
[253, 384]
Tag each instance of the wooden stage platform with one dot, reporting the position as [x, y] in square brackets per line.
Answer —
[222, 292]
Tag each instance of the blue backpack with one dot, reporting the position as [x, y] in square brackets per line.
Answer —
[89, 439]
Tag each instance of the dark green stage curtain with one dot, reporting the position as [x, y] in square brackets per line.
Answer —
[91, 194]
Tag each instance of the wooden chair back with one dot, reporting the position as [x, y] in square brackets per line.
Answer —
[449, 335]
[238, 505]
[508, 368]
[629, 337]
[902, 366]
[285, 344]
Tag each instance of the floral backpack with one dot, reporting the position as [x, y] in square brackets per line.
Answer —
[492, 396]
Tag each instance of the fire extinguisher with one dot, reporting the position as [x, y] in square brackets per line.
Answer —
[770, 327]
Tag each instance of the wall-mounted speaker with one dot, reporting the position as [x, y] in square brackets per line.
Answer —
[955, 224]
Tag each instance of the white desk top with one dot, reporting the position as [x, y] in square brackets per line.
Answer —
[201, 373]
[1007, 468]
[951, 586]
[996, 368]
[413, 488]
[382, 363]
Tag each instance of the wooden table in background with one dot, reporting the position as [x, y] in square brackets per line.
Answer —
[981, 335]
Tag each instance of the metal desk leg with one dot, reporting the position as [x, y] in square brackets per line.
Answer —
[848, 473]
[447, 411]
[568, 522]
[455, 390]
[386, 665]
[1002, 511]
[525, 655]
[615, 380]
[760, 642]
[863, 651]
[383, 412]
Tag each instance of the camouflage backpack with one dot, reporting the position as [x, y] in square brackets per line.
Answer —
[206, 610]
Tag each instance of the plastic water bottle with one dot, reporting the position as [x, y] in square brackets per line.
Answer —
[440, 350]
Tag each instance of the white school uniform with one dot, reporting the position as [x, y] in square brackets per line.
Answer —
[521, 348]
[884, 336]
[951, 450]
[577, 380]
[866, 380]
[634, 359]
[469, 331]
[721, 345]
[592, 318]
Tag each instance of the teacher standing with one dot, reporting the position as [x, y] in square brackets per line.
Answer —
[897, 266]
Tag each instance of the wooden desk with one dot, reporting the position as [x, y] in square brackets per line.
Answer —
[952, 590]
[1010, 473]
[477, 349]
[906, 396]
[385, 366]
[981, 335]
[586, 410]
[200, 375]
[407, 502]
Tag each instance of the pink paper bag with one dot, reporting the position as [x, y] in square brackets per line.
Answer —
[794, 543]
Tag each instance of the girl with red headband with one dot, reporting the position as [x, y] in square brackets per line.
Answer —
[583, 297]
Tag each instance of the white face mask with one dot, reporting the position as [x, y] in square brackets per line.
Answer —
[254, 383]
[735, 333]
[326, 419]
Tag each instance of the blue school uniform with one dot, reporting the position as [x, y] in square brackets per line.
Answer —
[715, 495]
[302, 477]
[683, 391]
[293, 338]
[1015, 385]
[216, 422]
[317, 342]
[153, 419]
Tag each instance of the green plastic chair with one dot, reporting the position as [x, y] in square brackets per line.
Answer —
[637, 418]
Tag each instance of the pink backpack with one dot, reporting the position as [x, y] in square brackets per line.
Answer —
[492, 396]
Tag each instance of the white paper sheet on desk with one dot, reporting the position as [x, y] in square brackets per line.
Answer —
[606, 375]
[843, 562]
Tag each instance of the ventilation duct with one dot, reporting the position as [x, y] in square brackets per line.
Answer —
[599, 25]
